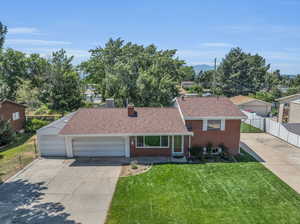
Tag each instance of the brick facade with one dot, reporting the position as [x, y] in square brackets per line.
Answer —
[230, 137]
[6, 112]
[135, 152]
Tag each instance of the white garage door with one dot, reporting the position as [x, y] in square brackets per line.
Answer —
[52, 145]
[98, 146]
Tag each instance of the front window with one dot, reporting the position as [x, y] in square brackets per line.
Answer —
[214, 125]
[152, 141]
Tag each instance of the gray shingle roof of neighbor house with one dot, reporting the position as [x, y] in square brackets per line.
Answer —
[288, 97]
[208, 107]
[115, 121]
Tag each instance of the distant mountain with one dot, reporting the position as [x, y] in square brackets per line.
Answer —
[202, 67]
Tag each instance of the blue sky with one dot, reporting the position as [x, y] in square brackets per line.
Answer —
[200, 30]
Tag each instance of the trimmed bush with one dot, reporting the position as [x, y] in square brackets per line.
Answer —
[32, 125]
[196, 151]
[7, 134]
[225, 151]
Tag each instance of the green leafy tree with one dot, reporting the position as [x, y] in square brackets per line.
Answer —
[3, 32]
[241, 73]
[62, 89]
[141, 75]
[189, 73]
[206, 78]
[28, 94]
[196, 89]
[7, 134]
[13, 66]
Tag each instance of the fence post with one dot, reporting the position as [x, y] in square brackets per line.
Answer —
[35, 149]
[20, 160]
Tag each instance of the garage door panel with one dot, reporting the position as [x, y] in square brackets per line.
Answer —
[92, 147]
[52, 145]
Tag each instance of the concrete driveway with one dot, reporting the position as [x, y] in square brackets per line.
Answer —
[59, 191]
[280, 157]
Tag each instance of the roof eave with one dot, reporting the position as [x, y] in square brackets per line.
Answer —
[216, 117]
[127, 134]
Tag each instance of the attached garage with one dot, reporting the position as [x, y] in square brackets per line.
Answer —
[52, 145]
[98, 146]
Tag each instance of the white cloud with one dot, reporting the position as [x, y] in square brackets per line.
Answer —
[23, 30]
[79, 55]
[216, 44]
[36, 42]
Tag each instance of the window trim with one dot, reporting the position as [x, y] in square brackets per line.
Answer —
[152, 147]
[205, 125]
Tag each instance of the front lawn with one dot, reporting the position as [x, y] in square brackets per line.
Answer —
[244, 192]
[247, 128]
[17, 155]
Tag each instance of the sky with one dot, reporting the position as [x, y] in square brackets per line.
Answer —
[199, 30]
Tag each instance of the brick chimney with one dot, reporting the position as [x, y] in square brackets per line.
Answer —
[131, 111]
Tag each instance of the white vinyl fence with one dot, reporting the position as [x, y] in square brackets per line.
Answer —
[278, 130]
[254, 120]
[272, 127]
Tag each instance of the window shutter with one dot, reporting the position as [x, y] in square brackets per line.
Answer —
[223, 125]
[204, 125]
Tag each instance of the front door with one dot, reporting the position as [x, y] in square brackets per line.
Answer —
[178, 145]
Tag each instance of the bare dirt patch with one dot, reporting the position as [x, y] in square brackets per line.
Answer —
[128, 170]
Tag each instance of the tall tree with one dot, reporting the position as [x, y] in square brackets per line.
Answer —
[13, 66]
[141, 75]
[62, 89]
[3, 32]
[242, 73]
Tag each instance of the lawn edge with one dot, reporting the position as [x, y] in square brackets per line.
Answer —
[20, 171]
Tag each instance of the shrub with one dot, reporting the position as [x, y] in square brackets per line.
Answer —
[196, 151]
[225, 151]
[134, 164]
[209, 148]
[7, 135]
[32, 125]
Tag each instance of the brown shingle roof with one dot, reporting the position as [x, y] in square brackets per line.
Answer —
[108, 121]
[201, 107]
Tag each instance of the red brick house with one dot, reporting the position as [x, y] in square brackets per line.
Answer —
[13, 112]
[144, 131]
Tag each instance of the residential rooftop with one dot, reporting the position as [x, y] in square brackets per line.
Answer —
[208, 107]
[115, 121]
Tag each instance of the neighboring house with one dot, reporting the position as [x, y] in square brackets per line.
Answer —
[144, 131]
[289, 111]
[250, 104]
[187, 84]
[91, 96]
[14, 113]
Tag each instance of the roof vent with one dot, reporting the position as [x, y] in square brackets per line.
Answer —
[131, 111]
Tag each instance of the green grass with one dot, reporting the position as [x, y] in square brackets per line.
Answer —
[247, 128]
[244, 192]
[16, 155]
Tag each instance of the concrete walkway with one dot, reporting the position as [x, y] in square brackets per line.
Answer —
[280, 157]
[59, 191]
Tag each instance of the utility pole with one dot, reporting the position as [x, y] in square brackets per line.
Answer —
[214, 77]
